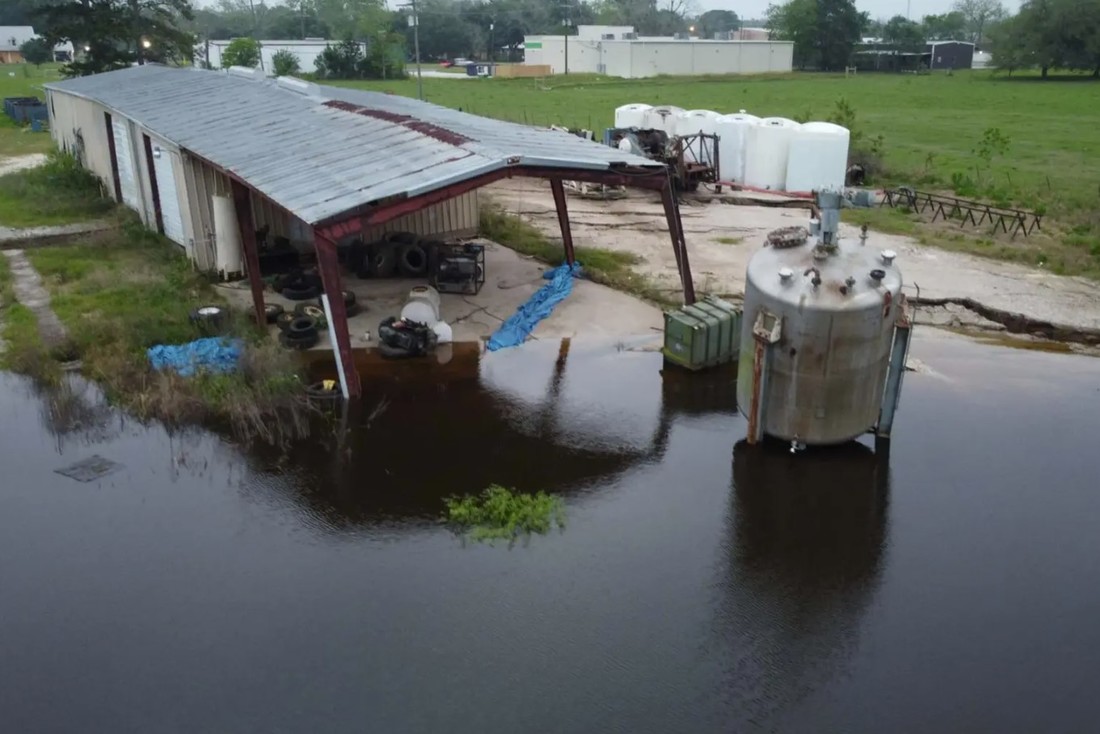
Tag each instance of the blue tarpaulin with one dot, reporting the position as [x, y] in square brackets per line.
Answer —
[516, 329]
[214, 354]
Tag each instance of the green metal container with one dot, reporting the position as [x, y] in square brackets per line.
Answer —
[702, 335]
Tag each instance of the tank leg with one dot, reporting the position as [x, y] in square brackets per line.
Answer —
[899, 354]
[766, 331]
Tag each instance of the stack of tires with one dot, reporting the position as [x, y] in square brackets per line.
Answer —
[397, 253]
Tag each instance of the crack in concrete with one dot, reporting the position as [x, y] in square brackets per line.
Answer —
[1018, 323]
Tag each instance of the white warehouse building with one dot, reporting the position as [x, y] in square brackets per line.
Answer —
[306, 52]
[618, 51]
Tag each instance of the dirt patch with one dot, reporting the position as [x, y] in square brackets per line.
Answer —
[21, 163]
[636, 224]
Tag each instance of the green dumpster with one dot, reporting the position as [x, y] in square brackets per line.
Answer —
[705, 334]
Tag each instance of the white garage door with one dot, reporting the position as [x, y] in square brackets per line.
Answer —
[164, 166]
[124, 155]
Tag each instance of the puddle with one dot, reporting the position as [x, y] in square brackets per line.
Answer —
[699, 584]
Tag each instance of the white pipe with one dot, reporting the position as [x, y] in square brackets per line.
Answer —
[335, 346]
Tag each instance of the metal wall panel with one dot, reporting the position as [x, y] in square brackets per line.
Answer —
[124, 155]
[164, 165]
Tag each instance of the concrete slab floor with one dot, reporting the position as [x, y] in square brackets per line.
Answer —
[592, 310]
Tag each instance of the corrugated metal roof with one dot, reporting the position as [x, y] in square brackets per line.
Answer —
[317, 160]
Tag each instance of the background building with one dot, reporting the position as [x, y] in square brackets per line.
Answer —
[306, 50]
[618, 51]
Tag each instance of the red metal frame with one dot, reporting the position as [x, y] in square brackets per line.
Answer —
[558, 190]
[329, 266]
[242, 202]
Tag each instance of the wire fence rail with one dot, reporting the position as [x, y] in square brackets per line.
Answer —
[1010, 221]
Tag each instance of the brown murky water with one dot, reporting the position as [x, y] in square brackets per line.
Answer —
[700, 585]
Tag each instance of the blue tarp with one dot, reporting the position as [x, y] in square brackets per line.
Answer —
[516, 329]
[214, 354]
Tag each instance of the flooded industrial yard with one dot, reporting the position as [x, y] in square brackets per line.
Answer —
[700, 585]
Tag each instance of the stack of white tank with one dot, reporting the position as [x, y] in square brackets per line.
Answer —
[733, 131]
[818, 158]
[693, 122]
[770, 153]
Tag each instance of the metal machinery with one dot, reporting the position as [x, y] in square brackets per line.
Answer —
[691, 159]
[457, 268]
[825, 335]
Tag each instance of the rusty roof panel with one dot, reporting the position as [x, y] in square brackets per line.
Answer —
[320, 151]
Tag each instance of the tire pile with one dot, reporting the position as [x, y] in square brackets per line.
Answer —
[301, 327]
[397, 253]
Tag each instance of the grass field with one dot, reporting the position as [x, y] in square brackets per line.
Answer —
[23, 80]
[1046, 156]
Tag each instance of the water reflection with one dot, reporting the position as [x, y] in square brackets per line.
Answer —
[557, 416]
[809, 535]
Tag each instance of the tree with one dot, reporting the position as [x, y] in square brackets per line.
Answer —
[1049, 34]
[947, 27]
[904, 33]
[241, 52]
[284, 63]
[979, 14]
[36, 51]
[111, 34]
[716, 21]
[824, 31]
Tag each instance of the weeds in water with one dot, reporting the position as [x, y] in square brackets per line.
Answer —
[500, 513]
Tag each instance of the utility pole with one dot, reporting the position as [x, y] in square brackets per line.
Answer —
[565, 40]
[492, 24]
[414, 21]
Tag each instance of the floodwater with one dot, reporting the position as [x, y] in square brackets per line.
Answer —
[699, 585]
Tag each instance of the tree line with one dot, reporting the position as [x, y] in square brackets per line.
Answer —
[1049, 34]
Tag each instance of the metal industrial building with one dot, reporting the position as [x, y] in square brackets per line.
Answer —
[613, 51]
[206, 157]
[306, 51]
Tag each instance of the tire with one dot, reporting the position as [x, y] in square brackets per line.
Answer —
[381, 260]
[286, 280]
[302, 325]
[301, 292]
[353, 310]
[349, 300]
[402, 238]
[317, 391]
[317, 313]
[272, 311]
[209, 319]
[304, 342]
[283, 320]
[412, 260]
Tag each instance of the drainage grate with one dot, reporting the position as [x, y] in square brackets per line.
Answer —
[90, 469]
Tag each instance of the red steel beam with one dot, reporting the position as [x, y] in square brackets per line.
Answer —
[242, 202]
[679, 247]
[330, 277]
[563, 219]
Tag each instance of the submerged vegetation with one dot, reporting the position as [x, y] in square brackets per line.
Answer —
[133, 291]
[499, 513]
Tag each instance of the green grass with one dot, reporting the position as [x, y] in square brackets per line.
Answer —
[59, 192]
[612, 268]
[23, 80]
[500, 513]
[134, 291]
[729, 240]
[932, 124]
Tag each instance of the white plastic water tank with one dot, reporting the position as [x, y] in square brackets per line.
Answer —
[632, 115]
[691, 122]
[662, 118]
[767, 147]
[818, 157]
[732, 130]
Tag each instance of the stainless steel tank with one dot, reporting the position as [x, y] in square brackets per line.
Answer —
[818, 328]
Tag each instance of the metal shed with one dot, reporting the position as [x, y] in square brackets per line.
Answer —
[338, 162]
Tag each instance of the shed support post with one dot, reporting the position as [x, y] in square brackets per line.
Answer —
[242, 202]
[679, 248]
[899, 354]
[563, 219]
[337, 315]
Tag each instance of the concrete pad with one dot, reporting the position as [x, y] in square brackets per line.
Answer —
[591, 310]
[721, 238]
